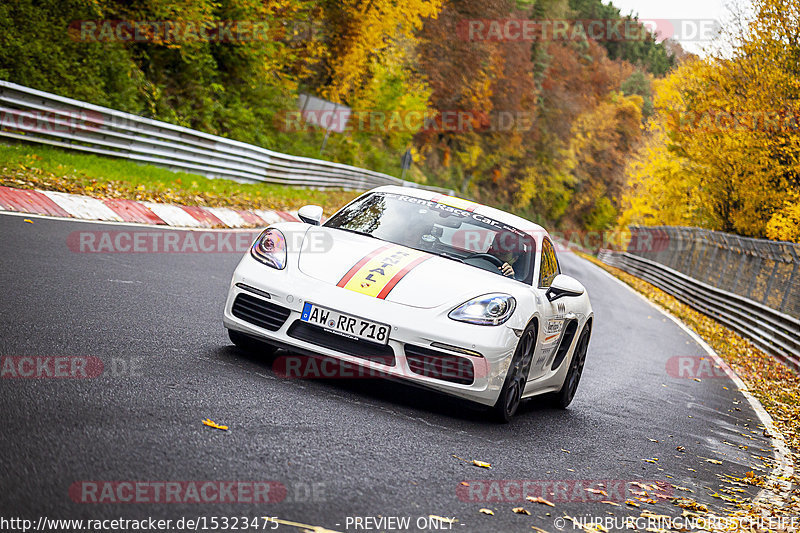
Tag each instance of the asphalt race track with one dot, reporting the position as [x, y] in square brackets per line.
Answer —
[341, 448]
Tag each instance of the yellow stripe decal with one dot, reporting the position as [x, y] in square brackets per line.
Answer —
[378, 273]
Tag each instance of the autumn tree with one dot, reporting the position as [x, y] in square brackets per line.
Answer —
[360, 30]
[731, 123]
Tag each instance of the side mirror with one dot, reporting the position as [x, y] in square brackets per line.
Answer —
[310, 214]
[562, 286]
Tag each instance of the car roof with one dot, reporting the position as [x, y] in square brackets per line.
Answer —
[501, 216]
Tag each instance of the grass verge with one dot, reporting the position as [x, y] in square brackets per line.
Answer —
[772, 383]
[52, 169]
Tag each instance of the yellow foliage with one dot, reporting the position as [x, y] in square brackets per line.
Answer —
[363, 29]
[723, 146]
[785, 224]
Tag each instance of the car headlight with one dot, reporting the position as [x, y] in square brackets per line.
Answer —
[270, 249]
[488, 310]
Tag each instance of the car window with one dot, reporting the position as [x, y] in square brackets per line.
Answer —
[550, 267]
[471, 238]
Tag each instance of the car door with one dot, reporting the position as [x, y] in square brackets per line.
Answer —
[553, 313]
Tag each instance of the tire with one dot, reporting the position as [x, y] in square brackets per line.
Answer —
[564, 397]
[250, 344]
[511, 394]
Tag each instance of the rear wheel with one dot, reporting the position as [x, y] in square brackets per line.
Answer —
[564, 397]
[250, 344]
[516, 377]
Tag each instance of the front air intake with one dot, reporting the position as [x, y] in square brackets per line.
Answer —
[258, 312]
[378, 353]
[439, 365]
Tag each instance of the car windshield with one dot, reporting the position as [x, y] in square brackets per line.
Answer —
[440, 229]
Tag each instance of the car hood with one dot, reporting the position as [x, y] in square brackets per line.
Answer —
[427, 281]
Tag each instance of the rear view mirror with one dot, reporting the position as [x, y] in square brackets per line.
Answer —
[310, 214]
[564, 286]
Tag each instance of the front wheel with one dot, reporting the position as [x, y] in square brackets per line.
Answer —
[511, 394]
[564, 397]
[250, 344]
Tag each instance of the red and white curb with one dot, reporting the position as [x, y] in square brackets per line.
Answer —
[61, 204]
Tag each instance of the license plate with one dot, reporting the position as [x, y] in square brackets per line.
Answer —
[346, 325]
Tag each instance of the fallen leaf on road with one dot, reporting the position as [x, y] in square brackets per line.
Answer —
[632, 503]
[597, 491]
[688, 503]
[208, 422]
[540, 530]
[615, 504]
[487, 511]
[29, 221]
[537, 499]
[465, 483]
[725, 498]
[714, 461]
[474, 462]
[521, 510]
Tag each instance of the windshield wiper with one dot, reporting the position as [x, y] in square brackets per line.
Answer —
[448, 256]
[357, 232]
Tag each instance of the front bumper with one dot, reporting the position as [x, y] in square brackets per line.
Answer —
[290, 289]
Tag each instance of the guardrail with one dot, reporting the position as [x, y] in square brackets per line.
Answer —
[757, 269]
[774, 332]
[39, 117]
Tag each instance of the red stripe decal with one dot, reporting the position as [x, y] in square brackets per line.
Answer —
[361, 263]
[397, 277]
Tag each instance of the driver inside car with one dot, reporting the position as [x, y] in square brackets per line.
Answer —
[505, 248]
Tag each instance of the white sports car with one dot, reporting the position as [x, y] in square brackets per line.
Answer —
[436, 290]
